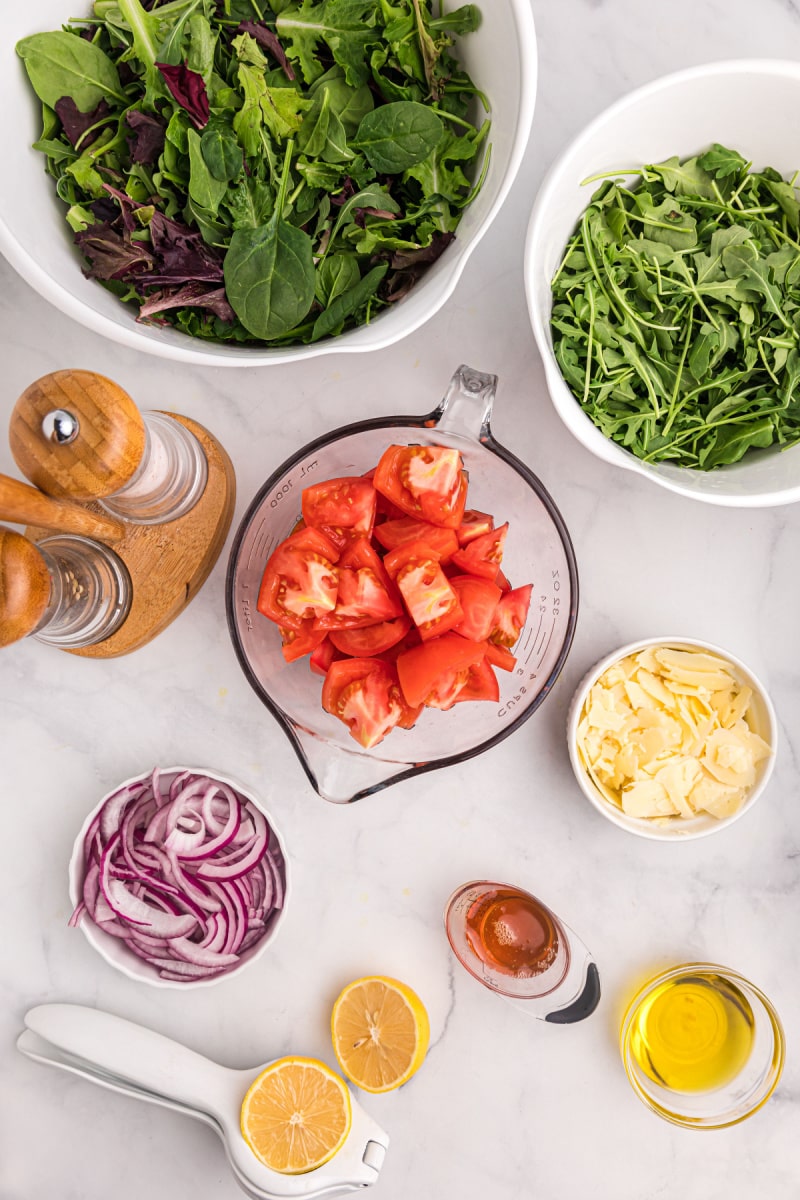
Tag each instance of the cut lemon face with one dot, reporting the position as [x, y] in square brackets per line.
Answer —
[380, 1033]
[296, 1115]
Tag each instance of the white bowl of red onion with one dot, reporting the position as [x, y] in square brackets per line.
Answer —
[179, 878]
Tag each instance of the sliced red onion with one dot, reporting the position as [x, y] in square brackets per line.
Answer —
[186, 873]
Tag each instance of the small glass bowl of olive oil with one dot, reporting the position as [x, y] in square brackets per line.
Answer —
[702, 1046]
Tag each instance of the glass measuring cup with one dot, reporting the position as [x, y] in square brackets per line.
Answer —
[515, 945]
[539, 550]
[711, 1062]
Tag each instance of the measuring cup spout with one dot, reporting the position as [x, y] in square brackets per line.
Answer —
[342, 776]
[466, 406]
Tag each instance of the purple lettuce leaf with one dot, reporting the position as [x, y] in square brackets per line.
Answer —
[269, 41]
[75, 123]
[425, 255]
[146, 140]
[188, 89]
[111, 255]
[127, 207]
[190, 295]
[180, 254]
[409, 265]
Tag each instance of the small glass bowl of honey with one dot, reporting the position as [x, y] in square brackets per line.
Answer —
[702, 1046]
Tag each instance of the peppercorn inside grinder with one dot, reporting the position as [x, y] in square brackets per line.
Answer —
[516, 946]
[158, 486]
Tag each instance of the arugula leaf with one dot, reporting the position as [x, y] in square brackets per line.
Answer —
[676, 312]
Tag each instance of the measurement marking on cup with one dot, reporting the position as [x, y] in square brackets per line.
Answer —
[282, 492]
[307, 468]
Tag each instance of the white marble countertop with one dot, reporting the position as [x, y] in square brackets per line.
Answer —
[505, 1107]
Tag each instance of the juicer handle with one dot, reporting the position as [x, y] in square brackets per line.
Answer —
[131, 1053]
[466, 406]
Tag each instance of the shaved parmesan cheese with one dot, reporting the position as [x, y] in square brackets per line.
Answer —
[666, 734]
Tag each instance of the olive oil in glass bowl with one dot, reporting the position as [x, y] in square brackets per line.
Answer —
[702, 1046]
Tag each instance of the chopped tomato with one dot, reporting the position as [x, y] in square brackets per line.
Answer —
[424, 669]
[300, 581]
[416, 551]
[395, 591]
[429, 598]
[392, 534]
[474, 524]
[481, 683]
[322, 657]
[347, 503]
[498, 656]
[299, 642]
[510, 616]
[426, 482]
[478, 598]
[372, 639]
[483, 555]
[340, 535]
[365, 594]
[364, 693]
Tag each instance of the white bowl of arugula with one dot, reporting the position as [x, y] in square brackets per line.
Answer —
[663, 282]
[249, 182]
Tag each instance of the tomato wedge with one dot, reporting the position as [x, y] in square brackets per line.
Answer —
[364, 693]
[498, 656]
[322, 656]
[481, 683]
[420, 670]
[478, 598]
[474, 524]
[431, 602]
[392, 534]
[299, 642]
[346, 503]
[426, 482]
[372, 639]
[300, 581]
[365, 594]
[483, 555]
[510, 616]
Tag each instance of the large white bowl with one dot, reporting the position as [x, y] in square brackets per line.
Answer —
[764, 723]
[734, 103]
[36, 240]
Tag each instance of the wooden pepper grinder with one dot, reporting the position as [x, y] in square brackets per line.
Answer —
[67, 590]
[78, 435]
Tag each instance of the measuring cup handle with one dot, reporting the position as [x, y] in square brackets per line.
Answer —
[467, 404]
[135, 1054]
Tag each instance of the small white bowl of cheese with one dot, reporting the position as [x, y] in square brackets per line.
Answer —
[672, 738]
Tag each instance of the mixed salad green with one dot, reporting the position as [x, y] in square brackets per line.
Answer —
[676, 310]
[260, 170]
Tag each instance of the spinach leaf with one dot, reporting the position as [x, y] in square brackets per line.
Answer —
[63, 64]
[269, 272]
[222, 154]
[338, 274]
[333, 318]
[396, 136]
[204, 188]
